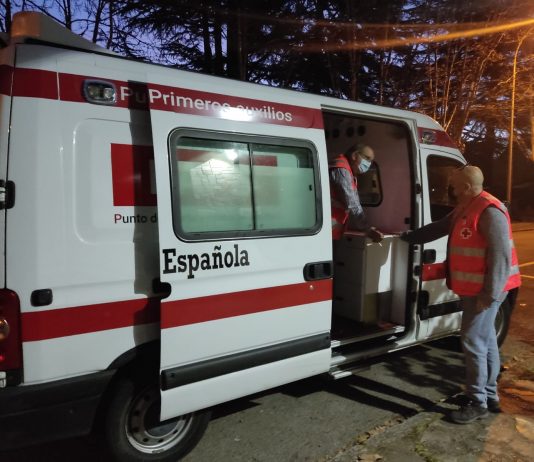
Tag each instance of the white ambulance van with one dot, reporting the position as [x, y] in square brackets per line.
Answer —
[167, 246]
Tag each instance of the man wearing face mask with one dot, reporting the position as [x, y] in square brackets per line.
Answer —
[347, 211]
[482, 267]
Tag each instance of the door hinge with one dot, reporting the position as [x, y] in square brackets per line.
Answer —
[7, 194]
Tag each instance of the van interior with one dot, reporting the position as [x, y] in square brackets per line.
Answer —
[371, 279]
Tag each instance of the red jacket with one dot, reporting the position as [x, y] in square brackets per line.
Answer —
[467, 249]
[340, 214]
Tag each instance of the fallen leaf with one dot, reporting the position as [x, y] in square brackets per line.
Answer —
[525, 427]
[527, 384]
[518, 392]
[370, 457]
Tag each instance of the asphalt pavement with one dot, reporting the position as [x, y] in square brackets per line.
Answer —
[507, 437]
[429, 436]
[522, 226]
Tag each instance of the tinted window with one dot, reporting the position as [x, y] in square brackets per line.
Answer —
[439, 173]
[369, 186]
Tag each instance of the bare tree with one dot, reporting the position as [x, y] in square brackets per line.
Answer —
[5, 15]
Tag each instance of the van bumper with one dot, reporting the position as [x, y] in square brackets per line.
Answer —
[38, 413]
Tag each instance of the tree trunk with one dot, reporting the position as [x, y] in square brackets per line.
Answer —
[206, 40]
[354, 57]
[217, 37]
[67, 13]
[111, 25]
[98, 17]
[7, 25]
[236, 53]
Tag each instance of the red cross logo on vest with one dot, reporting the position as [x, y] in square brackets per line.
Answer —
[466, 233]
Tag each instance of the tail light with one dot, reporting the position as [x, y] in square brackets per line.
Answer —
[10, 344]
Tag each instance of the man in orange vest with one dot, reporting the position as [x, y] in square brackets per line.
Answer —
[482, 267]
[347, 211]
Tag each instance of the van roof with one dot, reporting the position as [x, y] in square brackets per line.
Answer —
[33, 25]
[30, 26]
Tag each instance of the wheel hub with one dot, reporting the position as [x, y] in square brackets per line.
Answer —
[144, 430]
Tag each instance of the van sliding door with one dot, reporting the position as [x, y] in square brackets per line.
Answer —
[245, 248]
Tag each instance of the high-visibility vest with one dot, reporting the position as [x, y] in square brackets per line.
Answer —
[340, 213]
[467, 249]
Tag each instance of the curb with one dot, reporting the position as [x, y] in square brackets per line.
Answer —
[429, 437]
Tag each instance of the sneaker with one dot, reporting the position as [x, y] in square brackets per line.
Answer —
[494, 406]
[469, 413]
[461, 399]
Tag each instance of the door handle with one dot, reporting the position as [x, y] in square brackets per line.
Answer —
[429, 256]
[319, 270]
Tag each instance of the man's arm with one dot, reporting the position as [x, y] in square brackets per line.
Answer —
[493, 225]
[430, 232]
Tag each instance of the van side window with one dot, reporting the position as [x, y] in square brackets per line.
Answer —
[439, 173]
[369, 186]
[235, 187]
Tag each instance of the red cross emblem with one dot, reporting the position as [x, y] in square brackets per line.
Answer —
[466, 233]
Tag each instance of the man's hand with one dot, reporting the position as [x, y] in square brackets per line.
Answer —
[374, 234]
[405, 236]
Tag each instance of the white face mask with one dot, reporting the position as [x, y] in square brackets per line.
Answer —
[364, 164]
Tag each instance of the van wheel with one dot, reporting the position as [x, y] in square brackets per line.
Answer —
[502, 321]
[134, 433]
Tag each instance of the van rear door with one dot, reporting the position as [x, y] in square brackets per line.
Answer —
[6, 76]
[245, 244]
[439, 308]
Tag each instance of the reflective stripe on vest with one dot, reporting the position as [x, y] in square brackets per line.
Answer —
[339, 212]
[467, 249]
[470, 277]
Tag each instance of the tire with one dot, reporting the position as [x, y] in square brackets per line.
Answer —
[502, 321]
[133, 432]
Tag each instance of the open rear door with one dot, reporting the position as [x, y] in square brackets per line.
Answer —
[439, 307]
[7, 60]
[245, 248]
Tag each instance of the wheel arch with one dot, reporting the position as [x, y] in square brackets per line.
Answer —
[142, 358]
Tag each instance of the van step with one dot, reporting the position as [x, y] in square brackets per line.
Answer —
[336, 343]
[336, 373]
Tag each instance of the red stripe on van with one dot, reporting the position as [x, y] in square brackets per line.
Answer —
[136, 95]
[33, 83]
[63, 322]
[199, 155]
[71, 89]
[191, 311]
[186, 101]
[434, 271]
[6, 77]
[48, 324]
